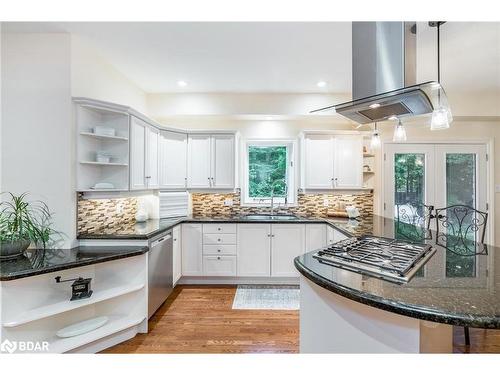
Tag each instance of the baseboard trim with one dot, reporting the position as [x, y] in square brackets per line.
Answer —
[201, 280]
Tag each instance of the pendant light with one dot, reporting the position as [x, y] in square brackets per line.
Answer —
[399, 132]
[441, 116]
[375, 142]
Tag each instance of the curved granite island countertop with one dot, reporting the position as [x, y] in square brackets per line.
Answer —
[451, 288]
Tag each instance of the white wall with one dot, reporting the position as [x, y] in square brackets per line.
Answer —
[223, 104]
[93, 77]
[37, 154]
[470, 64]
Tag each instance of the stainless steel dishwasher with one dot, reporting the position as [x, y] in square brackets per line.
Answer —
[160, 271]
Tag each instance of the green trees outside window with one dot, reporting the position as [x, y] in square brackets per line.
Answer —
[266, 165]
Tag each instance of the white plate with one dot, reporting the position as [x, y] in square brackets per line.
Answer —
[82, 327]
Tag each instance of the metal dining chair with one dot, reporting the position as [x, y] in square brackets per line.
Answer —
[418, 216]
[461, 229]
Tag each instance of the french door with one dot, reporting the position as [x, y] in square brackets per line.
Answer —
[440, 175]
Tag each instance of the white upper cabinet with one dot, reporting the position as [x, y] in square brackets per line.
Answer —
[222, 176]
[211, 161]
[199, 149]
[349, 162]
[318, 162]
[173, 160]
[137, 154]
[332, 162]
[143, 155]
[152, 137]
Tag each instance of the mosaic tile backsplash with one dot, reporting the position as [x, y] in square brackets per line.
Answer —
[209, 204]
[105, 215]
[114, 215]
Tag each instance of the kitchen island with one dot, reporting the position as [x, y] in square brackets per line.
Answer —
[343, 311]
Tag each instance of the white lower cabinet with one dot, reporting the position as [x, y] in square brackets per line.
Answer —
[334, 235]
[254, 250]
[223, 265]
[247, 250]
[177, 253]
[287, 242]
[192, 246]
[315, 236]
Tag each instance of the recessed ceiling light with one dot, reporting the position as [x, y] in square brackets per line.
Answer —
[321, 84]
[374, 105]
[181, 83]
[269, 117]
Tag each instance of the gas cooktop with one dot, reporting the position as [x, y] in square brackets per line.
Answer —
[386, 258]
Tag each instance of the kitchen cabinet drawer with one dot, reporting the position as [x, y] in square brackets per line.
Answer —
[219, 228]
[219, 265]
[219, 239]
[219, 249]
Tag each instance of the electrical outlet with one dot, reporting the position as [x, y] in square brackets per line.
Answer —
[326, 202]
[497, 188]
[228, 202]
[119, 209]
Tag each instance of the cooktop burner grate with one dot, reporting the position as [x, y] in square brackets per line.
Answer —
[384, 257]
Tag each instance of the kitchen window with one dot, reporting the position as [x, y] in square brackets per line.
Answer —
[269, 170]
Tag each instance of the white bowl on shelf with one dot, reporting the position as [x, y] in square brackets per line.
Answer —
[103, 185]
[104, 130]
[80, 328]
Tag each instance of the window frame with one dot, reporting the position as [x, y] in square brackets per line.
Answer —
[291, 145]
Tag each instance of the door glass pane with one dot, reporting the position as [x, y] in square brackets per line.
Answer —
[409, 198]
[461, 190]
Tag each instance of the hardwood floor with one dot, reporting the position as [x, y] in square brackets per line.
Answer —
[199, 319]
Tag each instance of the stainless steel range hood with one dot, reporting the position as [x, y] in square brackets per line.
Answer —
[384, 73]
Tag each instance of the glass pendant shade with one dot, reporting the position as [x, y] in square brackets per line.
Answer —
[375, 142]
[399, 133]
[441, 118]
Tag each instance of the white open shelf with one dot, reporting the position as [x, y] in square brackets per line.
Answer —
[105, 164]
[115, 324]
[104, 137]
[58, 307]
[89, 171]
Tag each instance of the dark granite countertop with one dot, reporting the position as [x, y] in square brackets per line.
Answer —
[152, 228]
[38, 261]
[454, 287]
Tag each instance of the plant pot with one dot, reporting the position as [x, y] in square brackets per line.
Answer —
[13, 249]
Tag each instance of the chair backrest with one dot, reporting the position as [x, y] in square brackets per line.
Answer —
[418, 216]
[459, 226]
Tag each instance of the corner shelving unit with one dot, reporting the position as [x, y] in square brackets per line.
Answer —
[368, 160]
[89, 171]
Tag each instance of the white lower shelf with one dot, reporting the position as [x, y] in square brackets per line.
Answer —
[115, 324]
[63, 306]
[104, 164]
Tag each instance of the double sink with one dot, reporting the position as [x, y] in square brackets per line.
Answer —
[261, 217]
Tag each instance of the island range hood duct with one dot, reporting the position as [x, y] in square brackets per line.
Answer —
[384, 75]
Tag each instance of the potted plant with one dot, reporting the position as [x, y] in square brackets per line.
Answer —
[23, 223]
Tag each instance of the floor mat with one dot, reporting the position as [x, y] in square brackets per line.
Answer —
[267, 297]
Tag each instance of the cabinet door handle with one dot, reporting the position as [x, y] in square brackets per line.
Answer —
[218, 250]
[219, 229]
[218, 258]
[218, 239]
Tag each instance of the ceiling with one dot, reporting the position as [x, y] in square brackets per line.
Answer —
[273, 57]
[220, 57]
